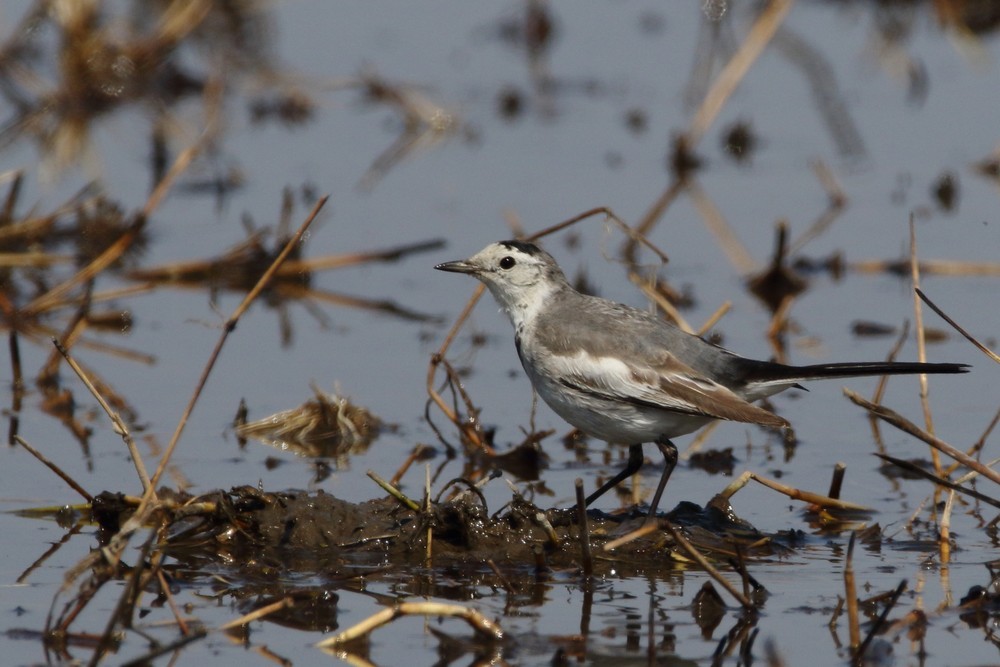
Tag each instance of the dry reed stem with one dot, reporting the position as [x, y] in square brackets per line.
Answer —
[298, 266]
[33, 259]
[714, 318]
[918, 320]
[793, 493]
[905, 425]
[979, 346]
[851, 595]
[394, 492]
[165, 589]
[700, 438]
[703, 562]
[55, 468]
[581, 513]
[649, 289]
[933, 267]
[634, 236]
[439, 357]
[164, 649]
[257, 614]
[838, 201]
[837, 480]
[760, 34]
[118, 423]
[859, 655]
[112, 553]
[944, 532]
[736, 252]
[229, 327]
[641, 531]
[656, 211]
[942, 481]
[126, 602]
[483, 626]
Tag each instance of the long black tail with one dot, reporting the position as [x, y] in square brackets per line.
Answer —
[769, 372]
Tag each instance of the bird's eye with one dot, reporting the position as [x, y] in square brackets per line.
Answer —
[507, 262]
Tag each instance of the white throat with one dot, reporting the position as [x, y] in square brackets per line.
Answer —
[524, 304]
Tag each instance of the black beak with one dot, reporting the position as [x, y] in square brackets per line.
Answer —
[461, 266]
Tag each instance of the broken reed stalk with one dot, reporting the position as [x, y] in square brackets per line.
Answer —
[55, 468]
[126, 602]
[581, 512]
[648, 288]
[299, 266]
[905, 425]
[228, 328]
[944, 527]
[257, 614]
[837, 202]
[934, 267]
[947, 483]
[918, 320]
[483, 626]
[692, 551]
[837, 480]
[719, 227]
[793, 493]
[760, 34]
[859, 655]
[439, 357]
[851, 595]
[410, 504]
[164, 649]
[165, 590]
[119, 424]
[979, 346]
[714, 318]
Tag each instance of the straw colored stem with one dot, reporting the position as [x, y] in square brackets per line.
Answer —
[54, 468]
[703, 562]
[476, 620]
[119, 424]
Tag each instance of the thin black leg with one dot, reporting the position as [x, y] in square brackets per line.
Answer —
[633, 464]
[669, 452]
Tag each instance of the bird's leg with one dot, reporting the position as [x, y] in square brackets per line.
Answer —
[669, 451]
[633, 464]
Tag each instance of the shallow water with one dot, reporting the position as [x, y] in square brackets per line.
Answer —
[571, 148]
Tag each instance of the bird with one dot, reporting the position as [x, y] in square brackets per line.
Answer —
[627, 376]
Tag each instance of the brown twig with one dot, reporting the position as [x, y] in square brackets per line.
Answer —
[581, 513]
[851, 595]
[979, 346]
[482, 625]
[703, 562]
[918, 312]
[859, 655]
[119, 424]
[228, 328]
[914, 469]
[54, 468]
[257, 614]
[763, 29]
[905, 425]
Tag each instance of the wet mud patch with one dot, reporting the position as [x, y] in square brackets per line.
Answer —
[257, 535]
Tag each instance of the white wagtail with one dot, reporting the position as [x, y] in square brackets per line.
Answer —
[623, 375]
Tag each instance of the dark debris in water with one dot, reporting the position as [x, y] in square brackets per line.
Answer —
[261, 535]
[326, 426]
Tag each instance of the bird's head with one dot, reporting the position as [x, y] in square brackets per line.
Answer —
[520, 275]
